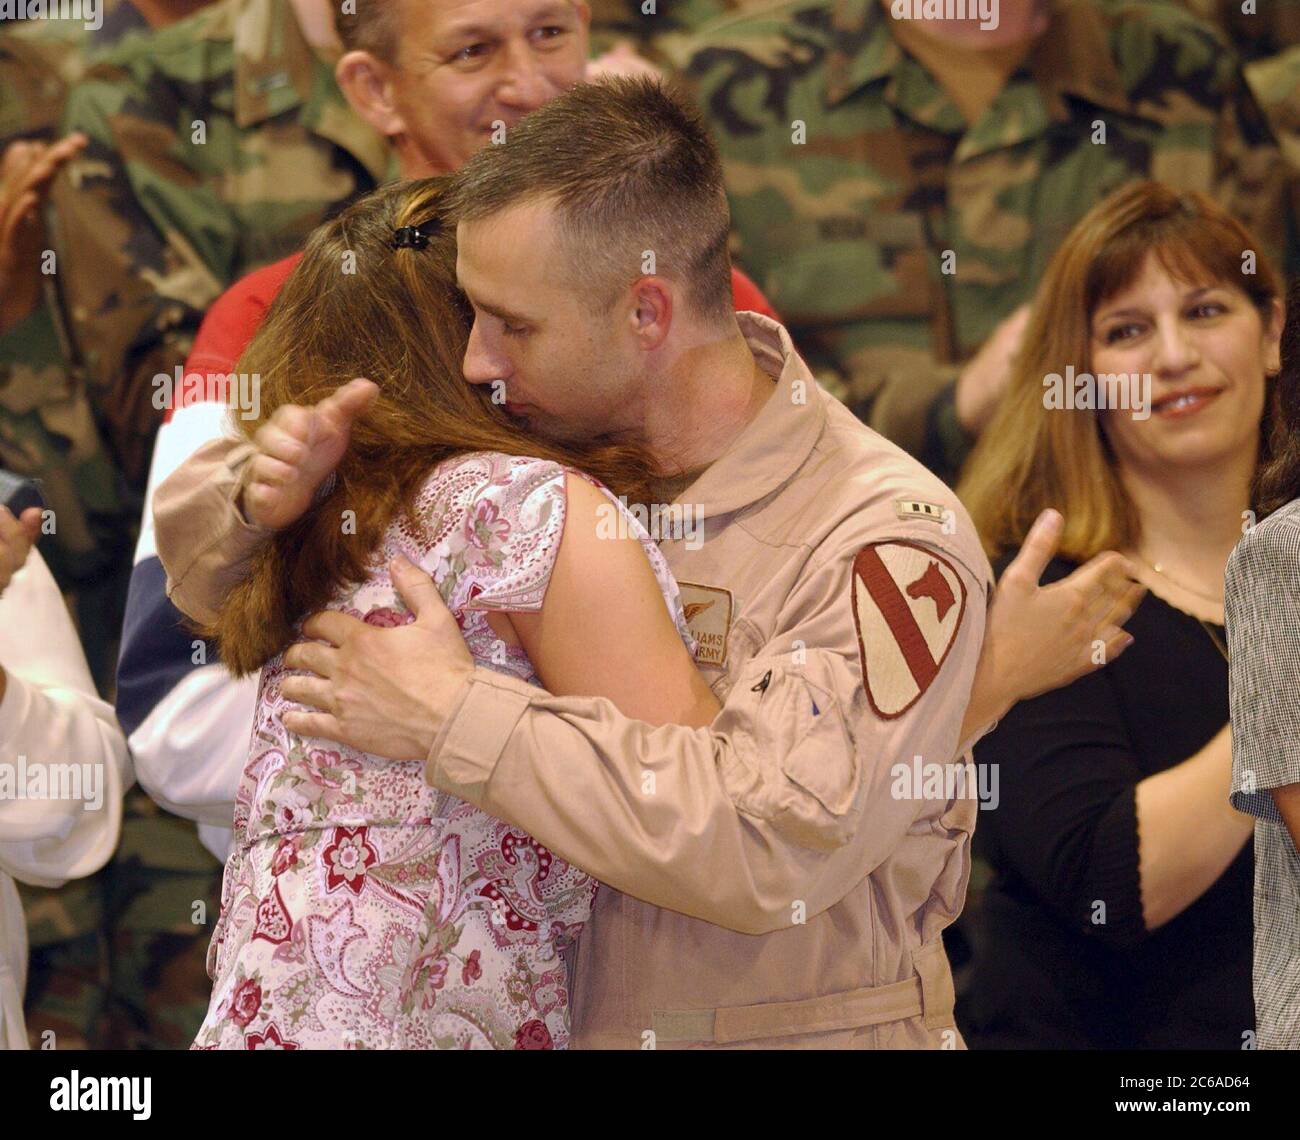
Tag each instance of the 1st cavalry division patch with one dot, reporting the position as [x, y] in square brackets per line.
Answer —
[908, 604]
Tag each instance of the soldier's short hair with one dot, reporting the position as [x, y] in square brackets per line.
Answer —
[636, 182]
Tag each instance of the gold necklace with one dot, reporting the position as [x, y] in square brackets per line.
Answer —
[1217, 599]
[1205, 625]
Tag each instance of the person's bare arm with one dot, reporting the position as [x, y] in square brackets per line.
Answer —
[604, 630]
[1287, 799]
[1188, 833]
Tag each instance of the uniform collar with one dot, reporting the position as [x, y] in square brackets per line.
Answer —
[780, 438]
[1073, 57]
[864, 50]
[277, 72]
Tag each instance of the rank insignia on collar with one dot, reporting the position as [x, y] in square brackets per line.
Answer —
[919, 509]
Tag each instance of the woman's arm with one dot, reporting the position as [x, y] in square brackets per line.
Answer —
[51, 719]
[1287, 801]
[1112, 852]
[604, 629]
[1262, 620]
[1188, 833]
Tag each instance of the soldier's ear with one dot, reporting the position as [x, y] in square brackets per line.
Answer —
[367, 83]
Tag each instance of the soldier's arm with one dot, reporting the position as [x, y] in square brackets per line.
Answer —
[204, 541]
[185, 717]
[778, 808]
[143, 246]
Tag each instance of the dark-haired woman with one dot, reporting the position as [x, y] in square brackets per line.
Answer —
[1119, 916]
[1262, 603]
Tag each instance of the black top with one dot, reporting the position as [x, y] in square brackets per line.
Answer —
[1063, 847]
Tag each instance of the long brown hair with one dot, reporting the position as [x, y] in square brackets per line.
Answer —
[357, 306]
[1031, 458]
[1277, 481]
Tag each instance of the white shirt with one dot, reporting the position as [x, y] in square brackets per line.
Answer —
[51, 719]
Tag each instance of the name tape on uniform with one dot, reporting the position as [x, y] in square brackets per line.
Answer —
[708, 616]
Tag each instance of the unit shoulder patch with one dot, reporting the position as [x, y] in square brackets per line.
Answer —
[908, 604]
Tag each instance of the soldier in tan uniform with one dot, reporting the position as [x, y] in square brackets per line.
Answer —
[782, 877]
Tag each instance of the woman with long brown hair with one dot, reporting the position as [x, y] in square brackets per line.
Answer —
[1262, 606]
[1119, 911]
[360, 906]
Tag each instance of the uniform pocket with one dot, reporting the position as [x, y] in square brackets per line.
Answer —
[800, 771]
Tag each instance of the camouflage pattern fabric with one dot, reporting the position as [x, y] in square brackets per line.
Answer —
[664, 32]
[892, 239]
[1276, 84]
[1271, 27]
[48, 427]
[153, 221]
[216, 146]
[48, 432]
[118, 959]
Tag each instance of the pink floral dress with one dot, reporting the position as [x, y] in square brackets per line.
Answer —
[363, 909]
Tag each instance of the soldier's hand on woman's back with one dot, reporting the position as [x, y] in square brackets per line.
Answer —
[26, 170]
[297, 449]
[1038, 638]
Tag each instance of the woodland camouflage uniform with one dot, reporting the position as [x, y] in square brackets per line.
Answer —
[852, 173]
[216, 146]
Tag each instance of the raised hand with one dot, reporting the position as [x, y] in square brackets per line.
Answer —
[297, 448]
[26, 171]
[1039, 638]
[984, 379]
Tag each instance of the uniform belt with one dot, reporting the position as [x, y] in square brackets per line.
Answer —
[927, 994]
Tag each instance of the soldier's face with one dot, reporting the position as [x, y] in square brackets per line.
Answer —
[563, 370]
[1207, 349]
[468, 68]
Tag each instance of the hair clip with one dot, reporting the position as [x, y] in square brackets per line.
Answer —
[410, 237]
[415, 237]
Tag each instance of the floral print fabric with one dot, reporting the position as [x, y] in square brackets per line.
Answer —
[363, 909]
